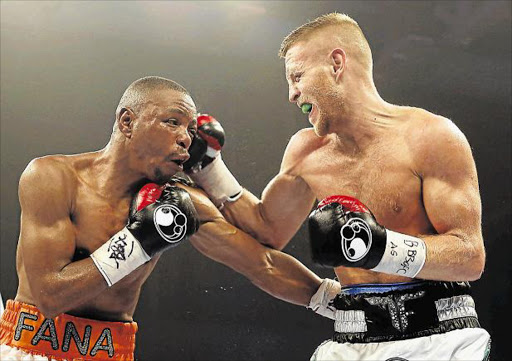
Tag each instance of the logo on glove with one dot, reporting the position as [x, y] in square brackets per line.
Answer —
[118, 247]
[170, 223]
[356, 239]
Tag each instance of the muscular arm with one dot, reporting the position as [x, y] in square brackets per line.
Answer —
[452, 202]
[47, 241]
[285, 203]
[276, 273]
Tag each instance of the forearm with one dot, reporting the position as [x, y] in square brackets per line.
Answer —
[452, 257]
[73, 285]
[285, 278]
[276, 273]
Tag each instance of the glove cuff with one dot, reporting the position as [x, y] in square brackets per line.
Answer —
[404, 255]
[119, 256]
[218, 182]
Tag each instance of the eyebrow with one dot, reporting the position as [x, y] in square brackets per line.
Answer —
[292, 74]
[185, 114]
[294, 70]
[177, 110]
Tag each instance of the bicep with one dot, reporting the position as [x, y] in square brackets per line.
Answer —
[288, 198]
[47, 238]
[273, 220]
[452, 203]
[450, 189]
[285, 204]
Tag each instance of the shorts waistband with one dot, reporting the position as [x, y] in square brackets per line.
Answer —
[379, 287]
[389, 312]
[66, 337]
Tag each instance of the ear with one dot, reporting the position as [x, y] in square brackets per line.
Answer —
[125, 119]
[338, 59]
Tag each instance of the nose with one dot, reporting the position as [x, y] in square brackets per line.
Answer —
[293, 93]
[184, 140]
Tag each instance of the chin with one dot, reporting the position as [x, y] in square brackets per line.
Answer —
[321, 128]
[161, 177]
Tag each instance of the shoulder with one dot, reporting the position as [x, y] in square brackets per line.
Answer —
[301, 144]
[426, 124]
[304, 141]
[54, 166]
[434, 138]
[47, 174]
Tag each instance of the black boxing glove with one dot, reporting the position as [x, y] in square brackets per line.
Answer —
[343, 232]
[206, 145]
[160, 218]
[205, 166]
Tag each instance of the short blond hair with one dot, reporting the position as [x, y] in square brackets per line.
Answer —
[345, 28]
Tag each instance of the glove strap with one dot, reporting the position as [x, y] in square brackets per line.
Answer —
[119, 256]
[404, 255]
[218, 182]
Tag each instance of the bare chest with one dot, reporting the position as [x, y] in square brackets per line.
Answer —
[384, 179]
[96, 220]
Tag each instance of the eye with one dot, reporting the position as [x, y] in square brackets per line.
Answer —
[296, 77]
[172, 121]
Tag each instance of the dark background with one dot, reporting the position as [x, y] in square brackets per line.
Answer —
[64, 66]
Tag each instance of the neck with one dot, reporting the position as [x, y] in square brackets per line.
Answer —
[111, 172]
[364, 117]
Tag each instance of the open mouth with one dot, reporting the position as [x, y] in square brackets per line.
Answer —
[306, 108]
[309, 109]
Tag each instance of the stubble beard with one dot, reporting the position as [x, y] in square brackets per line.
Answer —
[324, 119]
[160, 177]
[322, 126]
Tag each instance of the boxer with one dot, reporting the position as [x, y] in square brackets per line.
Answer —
[406, 263]
[94, 225]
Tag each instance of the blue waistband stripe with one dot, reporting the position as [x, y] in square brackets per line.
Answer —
[379, 287]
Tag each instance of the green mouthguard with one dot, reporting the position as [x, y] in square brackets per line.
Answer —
[306, 108]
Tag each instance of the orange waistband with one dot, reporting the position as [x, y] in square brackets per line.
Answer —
[66, 337]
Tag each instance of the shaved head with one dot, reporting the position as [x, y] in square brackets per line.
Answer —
[139, 91]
